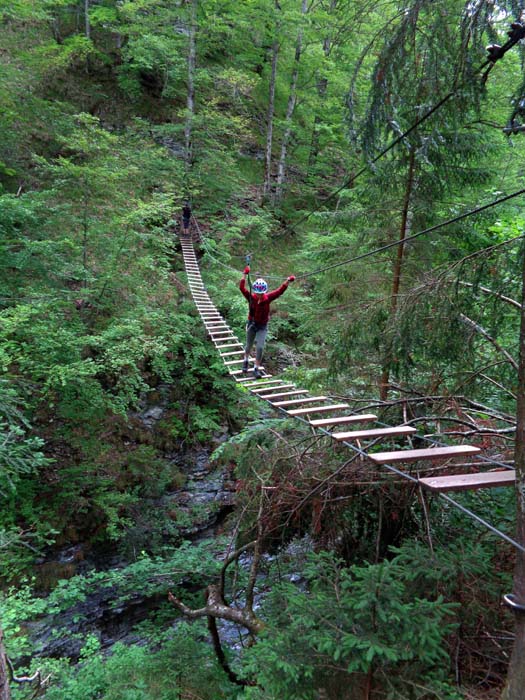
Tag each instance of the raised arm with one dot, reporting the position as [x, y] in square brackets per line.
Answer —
[242, 283]
[280, 290]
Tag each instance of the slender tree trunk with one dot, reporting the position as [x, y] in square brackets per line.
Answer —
[269, 122]
[190, 102]
[322, 87]
[515, 686]
[87, 23]
[5, 691]
[396, 276]
[292, 100]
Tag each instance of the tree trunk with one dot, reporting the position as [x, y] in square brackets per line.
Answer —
[516, 673]
[396, 276]
[5, 691]
[322, 87]
[87, 23]
[190, 102]
[292, 99]
[269, 123]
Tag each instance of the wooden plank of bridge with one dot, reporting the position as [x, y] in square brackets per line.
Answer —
[465, 482]
[293, 402]
[261, 383]
[242, 380]
[317, 409]
[343, 420]
[429, 453]
[269, 389]
[284, 393]
[228, 345]
[232, 352]
[234, 362]
[375, 433]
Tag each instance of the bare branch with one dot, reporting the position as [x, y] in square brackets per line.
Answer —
[481, 331]
[215, 607]
[486, 290]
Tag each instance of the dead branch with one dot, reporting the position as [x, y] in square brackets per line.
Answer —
[229, 560]
[481, 331]
[485, 290]
[256, 557]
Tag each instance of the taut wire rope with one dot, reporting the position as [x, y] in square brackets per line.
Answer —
[516, 34]
[387, 246]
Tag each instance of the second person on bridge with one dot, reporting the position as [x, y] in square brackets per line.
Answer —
[259, 300]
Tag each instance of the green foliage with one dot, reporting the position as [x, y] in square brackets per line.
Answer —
[93, 316]
[183, 665]
[381, 624]
[153, 576]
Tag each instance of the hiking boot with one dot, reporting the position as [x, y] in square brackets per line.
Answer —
[257, 373]
[245, 366]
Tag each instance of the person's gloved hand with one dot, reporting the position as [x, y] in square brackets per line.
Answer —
[291, 278]
[246, 270]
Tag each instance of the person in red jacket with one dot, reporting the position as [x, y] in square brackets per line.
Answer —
[258, 314]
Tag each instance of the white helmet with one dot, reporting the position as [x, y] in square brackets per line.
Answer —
[259, 286]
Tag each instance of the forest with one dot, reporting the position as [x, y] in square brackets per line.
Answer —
[166, 531]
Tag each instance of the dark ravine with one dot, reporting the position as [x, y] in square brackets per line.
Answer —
[204, 502]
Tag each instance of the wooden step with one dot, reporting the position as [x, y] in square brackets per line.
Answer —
[430, 453]
[234, 362]
[317, 409]
[232, 352]
[260, 382]
[342, 420]
[377, 432]
[293, 402]
[269, 389]
[228, 345]
[285, 393]
[465, 482]
[242, 380]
